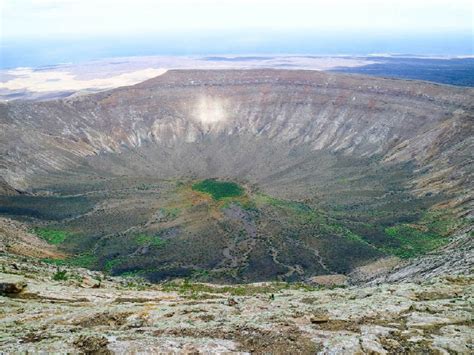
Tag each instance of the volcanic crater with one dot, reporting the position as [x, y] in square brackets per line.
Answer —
[241, 175]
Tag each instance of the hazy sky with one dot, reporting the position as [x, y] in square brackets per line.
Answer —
[32, 18]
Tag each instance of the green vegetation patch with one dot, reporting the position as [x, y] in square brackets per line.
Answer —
[83, 260]
[155, 240]
[219, 189]
[409, 241]
[86, 261]
[52, 236]
[299, 214]
[431, 232]
[443, 222]
[298, 211]
[110, 264]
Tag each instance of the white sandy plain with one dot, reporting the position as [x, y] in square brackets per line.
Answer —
[47, 81]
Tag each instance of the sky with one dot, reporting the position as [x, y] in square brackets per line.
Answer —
[42, 32]
[56, 18]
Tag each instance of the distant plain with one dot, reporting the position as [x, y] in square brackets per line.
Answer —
[63, 80]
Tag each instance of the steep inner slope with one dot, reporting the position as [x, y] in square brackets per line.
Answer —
[335, 171]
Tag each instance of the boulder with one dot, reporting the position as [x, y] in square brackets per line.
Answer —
[11, 288]
[88, 282]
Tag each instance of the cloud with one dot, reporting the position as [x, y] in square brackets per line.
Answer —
[96, 17]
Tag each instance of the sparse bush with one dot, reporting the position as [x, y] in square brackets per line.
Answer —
[144, 187]
[60, 275]
[170, 214]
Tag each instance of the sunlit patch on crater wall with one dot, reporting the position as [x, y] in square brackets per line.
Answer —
[210, 111]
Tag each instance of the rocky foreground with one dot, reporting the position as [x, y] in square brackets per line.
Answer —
[44, 309]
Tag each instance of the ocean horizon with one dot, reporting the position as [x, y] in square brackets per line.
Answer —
[38, 52]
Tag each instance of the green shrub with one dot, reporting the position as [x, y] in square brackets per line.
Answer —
[60, 275]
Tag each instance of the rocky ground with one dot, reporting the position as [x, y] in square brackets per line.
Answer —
[76, 310]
